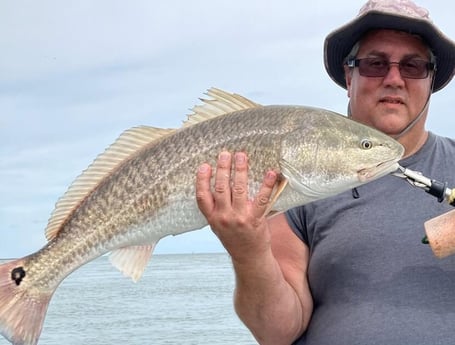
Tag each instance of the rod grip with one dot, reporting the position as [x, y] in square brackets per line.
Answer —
[451, 198]
[440, 232]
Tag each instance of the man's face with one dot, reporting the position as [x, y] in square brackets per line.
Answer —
[391, 102]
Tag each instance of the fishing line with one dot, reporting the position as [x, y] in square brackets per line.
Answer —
[425, 108]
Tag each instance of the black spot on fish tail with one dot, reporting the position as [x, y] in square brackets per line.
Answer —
[18, 275]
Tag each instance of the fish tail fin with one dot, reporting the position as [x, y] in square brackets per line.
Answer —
[22, 309]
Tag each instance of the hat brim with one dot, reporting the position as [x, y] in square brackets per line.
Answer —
[339, 43]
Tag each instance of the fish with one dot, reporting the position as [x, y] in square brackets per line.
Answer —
[142, 188]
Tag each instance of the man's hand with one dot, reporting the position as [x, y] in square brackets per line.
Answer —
[239, 222]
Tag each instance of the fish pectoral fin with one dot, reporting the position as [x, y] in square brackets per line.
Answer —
[275, 195]
[131, 261]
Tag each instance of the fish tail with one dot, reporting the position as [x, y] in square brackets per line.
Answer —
[22, 309]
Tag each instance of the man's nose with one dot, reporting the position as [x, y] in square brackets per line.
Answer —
[393, 75]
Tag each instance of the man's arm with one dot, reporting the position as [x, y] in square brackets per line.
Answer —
[272, 296]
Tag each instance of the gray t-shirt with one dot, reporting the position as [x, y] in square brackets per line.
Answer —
[372, 279]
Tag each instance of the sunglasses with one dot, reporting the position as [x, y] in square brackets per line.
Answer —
[411, 68]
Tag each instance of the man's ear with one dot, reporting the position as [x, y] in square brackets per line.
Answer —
[348, 78]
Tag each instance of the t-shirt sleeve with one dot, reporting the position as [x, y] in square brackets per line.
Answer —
[296, 220]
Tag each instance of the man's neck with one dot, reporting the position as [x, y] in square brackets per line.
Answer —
[413, 142]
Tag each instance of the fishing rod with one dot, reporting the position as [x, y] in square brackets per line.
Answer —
[440, 231]
[434, 187]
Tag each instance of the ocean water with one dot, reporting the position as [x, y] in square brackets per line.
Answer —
[181, 299]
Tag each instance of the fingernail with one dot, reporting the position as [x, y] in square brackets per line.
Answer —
[239, 157]
[224, 156]
[270, 175]
[203, 168]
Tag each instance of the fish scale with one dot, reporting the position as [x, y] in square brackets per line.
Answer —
[142, 188]
[112, 198]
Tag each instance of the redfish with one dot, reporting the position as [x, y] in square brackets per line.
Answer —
[142, 188]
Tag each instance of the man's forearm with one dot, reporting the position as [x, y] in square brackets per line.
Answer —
[266, 302]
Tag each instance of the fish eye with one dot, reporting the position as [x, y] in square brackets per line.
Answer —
[366, 144]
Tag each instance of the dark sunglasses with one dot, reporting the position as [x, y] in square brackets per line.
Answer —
[379, 67]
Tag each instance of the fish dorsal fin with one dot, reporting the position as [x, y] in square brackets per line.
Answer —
[220, 103]
[131, 261]
[129, 142]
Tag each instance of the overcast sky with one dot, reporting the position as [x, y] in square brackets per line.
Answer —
[75, 74]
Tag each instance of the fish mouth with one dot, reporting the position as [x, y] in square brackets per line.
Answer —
[377, 171]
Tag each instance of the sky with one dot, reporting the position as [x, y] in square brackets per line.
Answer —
[76, 74]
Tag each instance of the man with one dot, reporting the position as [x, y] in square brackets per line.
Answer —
[351, 269]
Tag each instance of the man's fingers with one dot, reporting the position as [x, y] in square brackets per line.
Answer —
[262, 199]
[240, 182]
[222, 188]
[204, 195]
[225, 198]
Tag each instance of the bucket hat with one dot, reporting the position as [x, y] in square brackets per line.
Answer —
[402, 15]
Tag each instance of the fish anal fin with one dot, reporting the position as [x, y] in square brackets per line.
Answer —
[275, 195]
[220, 103]
[129, 142]
[131, 261]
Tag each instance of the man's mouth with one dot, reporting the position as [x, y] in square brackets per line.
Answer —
[391, 100]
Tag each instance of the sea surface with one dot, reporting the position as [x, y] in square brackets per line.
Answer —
[181, 299]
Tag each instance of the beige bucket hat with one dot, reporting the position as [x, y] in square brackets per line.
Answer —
[403, 15]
